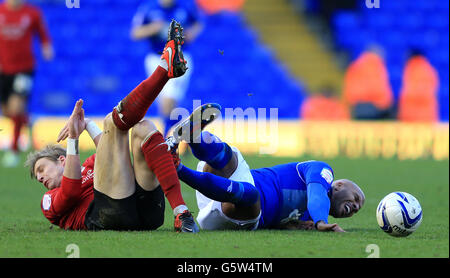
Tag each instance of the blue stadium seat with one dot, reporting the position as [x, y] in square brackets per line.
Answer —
[97, 60]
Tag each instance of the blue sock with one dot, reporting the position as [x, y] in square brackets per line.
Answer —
[219, 188]
[211, 150]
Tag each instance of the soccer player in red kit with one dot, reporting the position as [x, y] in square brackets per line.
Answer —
[19, 21]
[118, 194]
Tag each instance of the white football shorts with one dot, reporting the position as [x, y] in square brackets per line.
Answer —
[210, 216]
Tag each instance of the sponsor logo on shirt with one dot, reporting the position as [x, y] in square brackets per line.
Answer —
[327, 175]
[16, 30]
[89, 175]
[46, 201]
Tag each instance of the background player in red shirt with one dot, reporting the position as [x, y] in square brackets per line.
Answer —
[119, 194]
[19, 21]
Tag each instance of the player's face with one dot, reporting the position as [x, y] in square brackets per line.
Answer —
[346, 200]
[49, 172]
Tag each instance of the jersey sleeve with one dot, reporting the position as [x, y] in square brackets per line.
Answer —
[40, 27]
[317, 172]
[318, 177]
[318, 202]
[55, 204]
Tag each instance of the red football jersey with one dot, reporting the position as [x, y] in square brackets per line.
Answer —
[16, 33]
[66, 205]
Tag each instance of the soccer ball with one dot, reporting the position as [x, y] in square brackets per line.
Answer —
[399, 214]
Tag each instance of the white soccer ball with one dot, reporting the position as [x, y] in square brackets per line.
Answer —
[399, 214]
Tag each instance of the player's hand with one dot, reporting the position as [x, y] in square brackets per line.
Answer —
[47, 52]
[322, 226]
[64, 133]
[76, 123]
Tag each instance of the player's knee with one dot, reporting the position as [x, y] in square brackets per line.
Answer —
[226, 171]
[140, 131]
[108, 122]
[247, 194]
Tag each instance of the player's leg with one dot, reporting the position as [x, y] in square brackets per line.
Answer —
[5, 92]
[165, 105]
[224, 203]
[133, 107]
[172, 94]
[153, 166]
[219, 157]
[144, 177]
[240, 198]
[17, 111]
[150, 197]
[114, 204]
[15, 96]
[205, 146]
[114, 175]
[219, 188]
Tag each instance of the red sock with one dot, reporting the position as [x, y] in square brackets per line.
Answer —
[19, 121]
[135, 104]
[159, 160]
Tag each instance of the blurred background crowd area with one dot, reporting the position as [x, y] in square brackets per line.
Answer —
[311, 59]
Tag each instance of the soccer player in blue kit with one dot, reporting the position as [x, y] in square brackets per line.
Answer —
[230, 195]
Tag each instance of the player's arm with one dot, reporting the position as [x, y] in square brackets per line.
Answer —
[196, 25]
[70, 189]
[318, 177]
[319, 208]
[44, 37]
[192, 33]
[147, 30]
[75, 125]
[141, 29]
[318, 202]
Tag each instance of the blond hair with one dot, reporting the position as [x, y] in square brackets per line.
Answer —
[52, 152]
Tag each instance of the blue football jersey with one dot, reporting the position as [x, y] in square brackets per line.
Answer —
[185, 12]
[286, 189]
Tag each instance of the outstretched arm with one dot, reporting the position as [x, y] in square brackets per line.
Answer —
[147, 30]
[319, 207]
[75, 125]
[70, 190]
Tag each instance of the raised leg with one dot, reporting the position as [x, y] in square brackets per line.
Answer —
[114, 175]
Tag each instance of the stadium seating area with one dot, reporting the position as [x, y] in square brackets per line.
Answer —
[399, 26]
[96, 60]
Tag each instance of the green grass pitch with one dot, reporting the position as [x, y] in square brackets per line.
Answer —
[25, 233]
